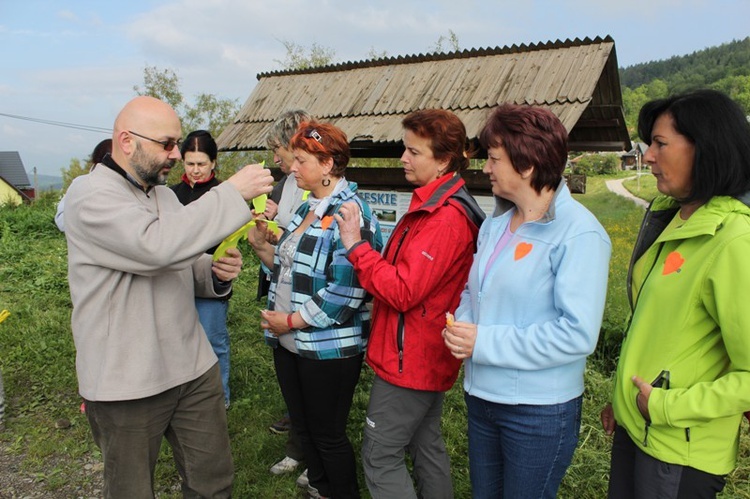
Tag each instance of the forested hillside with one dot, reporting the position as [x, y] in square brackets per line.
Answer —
[725, 68]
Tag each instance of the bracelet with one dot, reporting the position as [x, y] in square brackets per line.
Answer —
[289, 322]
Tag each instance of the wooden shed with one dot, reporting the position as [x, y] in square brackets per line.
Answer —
[577, 79]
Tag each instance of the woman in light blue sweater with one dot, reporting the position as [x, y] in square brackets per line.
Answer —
[531, 311]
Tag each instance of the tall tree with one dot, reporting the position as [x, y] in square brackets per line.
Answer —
[164, 84]
[450, 41]
[74, 170]
[297, 57]
[206, 112]
[738, 88]
[377, 54]
[633, 100]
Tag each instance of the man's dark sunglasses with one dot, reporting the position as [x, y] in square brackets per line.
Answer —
[168, 144]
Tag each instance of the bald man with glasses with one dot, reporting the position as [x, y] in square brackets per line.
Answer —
[136, 262]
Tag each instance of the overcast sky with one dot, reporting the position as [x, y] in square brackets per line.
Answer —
[78, 61]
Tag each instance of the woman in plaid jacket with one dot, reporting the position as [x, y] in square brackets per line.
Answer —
[317, 320]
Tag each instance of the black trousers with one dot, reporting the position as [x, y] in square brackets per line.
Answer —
[636, 475]
[318, 395]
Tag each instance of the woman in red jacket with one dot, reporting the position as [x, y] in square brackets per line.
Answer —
[417, 280]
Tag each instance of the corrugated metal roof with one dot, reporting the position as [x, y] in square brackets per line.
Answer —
[12, 169]
[576, 79]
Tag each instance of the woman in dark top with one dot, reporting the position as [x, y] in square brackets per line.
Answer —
[199, 157]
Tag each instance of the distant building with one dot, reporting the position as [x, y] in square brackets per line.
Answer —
[14, 183]
[633, 159]
[13, 177]
[11, 195]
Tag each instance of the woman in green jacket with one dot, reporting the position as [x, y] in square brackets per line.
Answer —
[683, 377]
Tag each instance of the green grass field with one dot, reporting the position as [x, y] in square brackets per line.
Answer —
[644, 186]
[37, 360]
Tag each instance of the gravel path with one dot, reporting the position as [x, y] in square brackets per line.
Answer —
[18, 484]
[616, 186]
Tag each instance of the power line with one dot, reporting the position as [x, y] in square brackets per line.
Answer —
[59, 123]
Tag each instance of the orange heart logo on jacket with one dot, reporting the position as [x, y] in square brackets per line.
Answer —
[673, 263]
[325, 222]
[522, 249]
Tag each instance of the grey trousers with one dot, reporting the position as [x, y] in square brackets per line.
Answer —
[193, 419]
[401, 420]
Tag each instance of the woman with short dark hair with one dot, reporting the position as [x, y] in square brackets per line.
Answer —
[531, 311]
[683, 375]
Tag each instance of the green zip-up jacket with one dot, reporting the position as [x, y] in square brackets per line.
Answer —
[689, 329]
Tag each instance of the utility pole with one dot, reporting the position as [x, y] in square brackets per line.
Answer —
[638, 166]
[36, 184]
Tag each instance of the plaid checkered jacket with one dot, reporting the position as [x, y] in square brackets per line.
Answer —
[325, 288]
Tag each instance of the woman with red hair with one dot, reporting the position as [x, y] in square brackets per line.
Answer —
[317, 319]
[415, 282]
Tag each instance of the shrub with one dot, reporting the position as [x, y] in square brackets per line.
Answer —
[597, 164]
